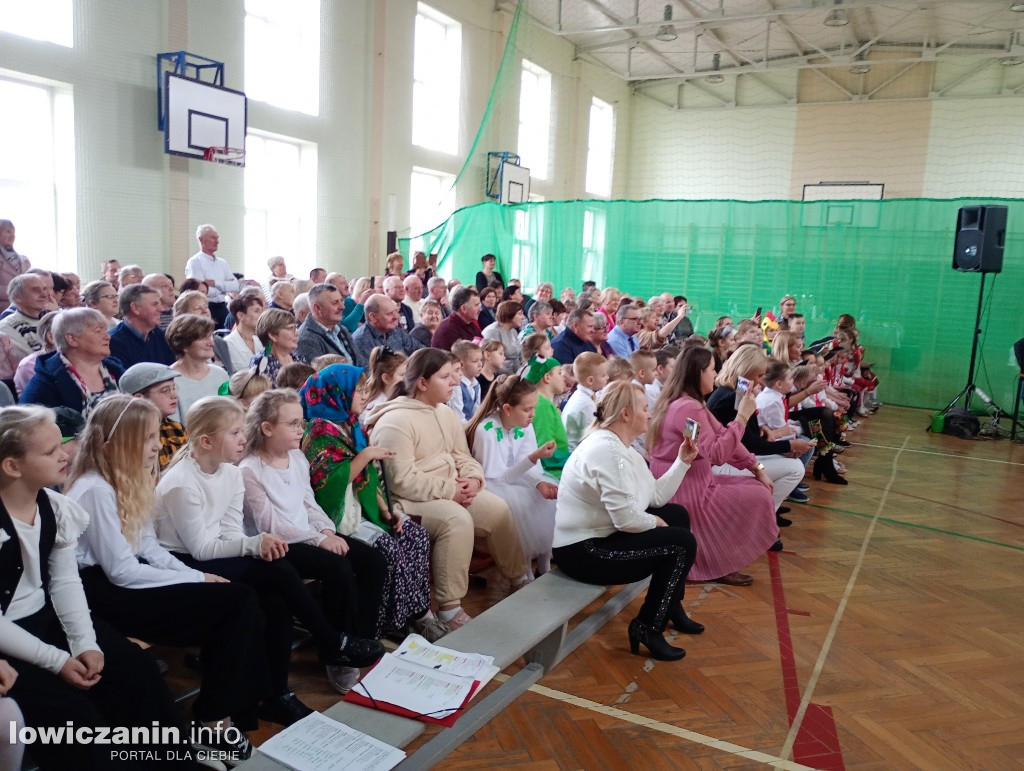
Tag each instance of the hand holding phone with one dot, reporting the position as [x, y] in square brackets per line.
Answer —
[692, 429]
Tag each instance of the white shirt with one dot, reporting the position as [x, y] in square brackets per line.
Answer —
[65, 590]
[201, 514]
[578, 414]
[190, 391]
[415, 307]
[457, 402]
[104, 543]
[653, 391]
[771, 412]
[203, 266]
[607, 486]
[29, 596]
[240, 353]
[281, 501]
[504, 453]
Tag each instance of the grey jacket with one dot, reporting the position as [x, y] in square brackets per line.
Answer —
[313, 342]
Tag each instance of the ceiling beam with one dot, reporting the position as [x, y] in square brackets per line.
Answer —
[646, 46]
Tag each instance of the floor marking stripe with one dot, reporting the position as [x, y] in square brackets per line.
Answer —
[940, 454]
[891, 521]
[665, 728]
[787, 748]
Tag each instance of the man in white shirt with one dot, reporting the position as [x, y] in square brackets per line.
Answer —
[215, 272]
[413, 297]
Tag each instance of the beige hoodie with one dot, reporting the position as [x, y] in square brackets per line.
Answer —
[430, 449]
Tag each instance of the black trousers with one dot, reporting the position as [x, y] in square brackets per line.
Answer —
[282, 595]
[224, 619]
[665, 554]
[130, 692]
[823, 414]
[219, 313]
[353, 585]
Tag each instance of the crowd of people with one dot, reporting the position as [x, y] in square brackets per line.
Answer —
[177, 458]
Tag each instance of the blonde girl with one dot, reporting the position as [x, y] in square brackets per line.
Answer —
[386, 369]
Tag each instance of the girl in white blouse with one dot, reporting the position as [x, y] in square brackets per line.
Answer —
[146, 592]
[279, 499]
[70, 667]
[610, 521]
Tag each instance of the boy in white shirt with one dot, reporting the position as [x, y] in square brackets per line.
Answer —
[466, 394]
[591, 371]
[665, 365]
[772, 412]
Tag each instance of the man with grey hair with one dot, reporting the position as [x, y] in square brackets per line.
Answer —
[413, 296]
[394, 287]
[11, 263]
[282, 295]
[300, 307]
[213, 271]
[353, 314]
[622, 338]
[437, 290]
[575, 338]
[322, 331]
[381, 327]
[138, 336]
[130, 274]
[165, 287]
[29, 299]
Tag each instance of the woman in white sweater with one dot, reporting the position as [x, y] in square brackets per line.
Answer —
[609, 526]
[146, 592]
[70, 667]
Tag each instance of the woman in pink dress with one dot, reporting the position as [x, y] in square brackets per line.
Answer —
[732, 517]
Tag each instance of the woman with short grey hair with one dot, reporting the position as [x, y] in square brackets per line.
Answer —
[101, 296]
[81, 371]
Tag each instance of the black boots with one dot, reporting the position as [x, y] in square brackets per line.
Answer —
[683, 623]
[639, 632]
[824, 467]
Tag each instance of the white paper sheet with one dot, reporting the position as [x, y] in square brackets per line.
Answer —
[414, 687]
[318, 743]
[416, 649]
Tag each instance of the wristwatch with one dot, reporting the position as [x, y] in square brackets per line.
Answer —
[759, 467]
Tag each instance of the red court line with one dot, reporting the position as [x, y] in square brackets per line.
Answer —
[817, 742]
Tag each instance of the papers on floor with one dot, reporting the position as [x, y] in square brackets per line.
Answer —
[318, 743]
[426, 679]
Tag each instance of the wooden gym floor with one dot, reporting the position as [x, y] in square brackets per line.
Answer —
[888, 634]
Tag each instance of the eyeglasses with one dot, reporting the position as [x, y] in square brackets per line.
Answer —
[108, 296]
[294, 425]
[168, 390]
[631, 318]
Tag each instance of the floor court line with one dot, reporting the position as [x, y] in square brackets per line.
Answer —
[665, 728]
[940, 454]
[787, 748]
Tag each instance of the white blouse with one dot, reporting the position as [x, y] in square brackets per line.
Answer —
[281, 501]
[505, 453]
[607, 486]
[104, 543]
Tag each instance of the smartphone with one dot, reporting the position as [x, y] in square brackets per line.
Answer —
[757, 313]
[692, 429]
[742, 386]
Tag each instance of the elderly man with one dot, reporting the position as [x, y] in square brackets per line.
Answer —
[11, 263]
[48, 286]
[353, 314]
[300, 307]
[213, 271]
[462, 323]
[318, 275]
[382, 328]
[622, 339]
[165, 287]
[138, 336]
[130, 274]
[282, 295]
[111, 271]
[437, 290]
[394, 287]
[29, 300]
[413, 297]
[322, 331]
[575, 339]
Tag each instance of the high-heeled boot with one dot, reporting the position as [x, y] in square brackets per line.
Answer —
[824, 467]
[683, 623]
[639, 632]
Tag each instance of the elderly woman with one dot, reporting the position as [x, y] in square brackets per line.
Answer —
[614, 523]
[506, 331]
[430, 319]
[278, 270]
[651, 337]
[279, 336]
[609, 305]
[101, 296]
[190, 338]
[192, 301]
[81, 371]
[130, 274]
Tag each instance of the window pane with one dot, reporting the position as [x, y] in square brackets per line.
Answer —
[282, 53]
[535, 119]
[600, 148]
[50, 20]
[437, 76]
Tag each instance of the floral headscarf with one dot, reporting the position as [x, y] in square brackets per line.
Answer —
[328, 395]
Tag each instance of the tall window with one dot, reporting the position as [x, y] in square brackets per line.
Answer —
[37, 176]
[527, 227]
[600, 148]
[437, 80]
[535, 119]
[280, 204]
[282, 53]
[431, 202]
[593, 245]
[49, 20]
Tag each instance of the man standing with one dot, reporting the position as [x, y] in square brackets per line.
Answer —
[413, 297]
[381, 328]
[213, 271]
[462, 323]
[138, 336]
[322, 331]
[622, 338]
[575, 339]
[165, 287]
[11, 263]
[111, 273]
[394, 287]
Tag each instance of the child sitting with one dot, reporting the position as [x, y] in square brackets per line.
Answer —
[466, 394]
[536, 344]
[294, 375]
[493, 362]
[245, 385]
[591, 370]
[618, 369]
[546, 374]
[665, 365]
[156, 383]
[386, 370]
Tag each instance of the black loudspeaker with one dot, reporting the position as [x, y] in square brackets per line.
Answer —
[980, 236]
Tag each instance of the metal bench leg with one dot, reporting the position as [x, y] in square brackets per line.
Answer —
[546, 652]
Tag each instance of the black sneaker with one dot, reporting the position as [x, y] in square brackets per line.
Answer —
[224, 748]
[354, 652]
[284, 710]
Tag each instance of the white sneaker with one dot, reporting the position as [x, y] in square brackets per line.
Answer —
[342, 679]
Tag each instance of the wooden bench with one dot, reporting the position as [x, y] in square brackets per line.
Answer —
[532, 624]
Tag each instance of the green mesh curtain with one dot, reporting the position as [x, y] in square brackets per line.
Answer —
[886, 262]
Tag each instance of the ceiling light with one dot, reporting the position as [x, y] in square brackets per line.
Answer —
[837, 16]
[715, 76]
[1017, 5]
[667, 32]
[859, 66]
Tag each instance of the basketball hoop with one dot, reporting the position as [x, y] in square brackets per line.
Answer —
[228, 156]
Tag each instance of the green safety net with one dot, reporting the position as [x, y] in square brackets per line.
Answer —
[888, 263]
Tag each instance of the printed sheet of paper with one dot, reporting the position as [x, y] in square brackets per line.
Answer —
[416, 649]
[414, 687]
[318, 743]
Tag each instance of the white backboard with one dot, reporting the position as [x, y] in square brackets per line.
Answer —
[200, 115]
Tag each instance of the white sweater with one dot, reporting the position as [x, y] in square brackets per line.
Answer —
[607, 486]
[104, 544]
[201, 514]
[281, 501]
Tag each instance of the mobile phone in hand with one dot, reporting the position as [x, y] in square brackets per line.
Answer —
[692, 429]
[742, 386]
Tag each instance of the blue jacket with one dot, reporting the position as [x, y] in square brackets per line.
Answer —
[52, 386]
[129, 348]
[568, 346]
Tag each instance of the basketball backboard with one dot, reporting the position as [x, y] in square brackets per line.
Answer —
[200, 115]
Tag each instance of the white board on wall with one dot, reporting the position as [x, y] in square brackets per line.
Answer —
[515, 183]
[200, 115]
[844, 191]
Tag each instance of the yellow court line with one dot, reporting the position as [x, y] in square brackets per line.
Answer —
[794, 729]
[940, 454]
[665, 728]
